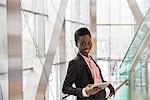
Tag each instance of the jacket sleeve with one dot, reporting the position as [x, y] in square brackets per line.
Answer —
[70, 79]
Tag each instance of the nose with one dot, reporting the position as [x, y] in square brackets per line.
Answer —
[87, 46]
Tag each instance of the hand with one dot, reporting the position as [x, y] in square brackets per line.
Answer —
[112, 90]
[90, 90]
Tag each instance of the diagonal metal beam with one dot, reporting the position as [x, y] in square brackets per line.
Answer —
[38, 80]
[62, 69]
[51, 50]
[135, 11]
[14, 50]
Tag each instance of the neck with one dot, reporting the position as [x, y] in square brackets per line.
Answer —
[84, 55]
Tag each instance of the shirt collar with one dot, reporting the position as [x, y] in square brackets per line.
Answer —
[86, 58]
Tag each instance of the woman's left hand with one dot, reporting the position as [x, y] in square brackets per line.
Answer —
[112, 90]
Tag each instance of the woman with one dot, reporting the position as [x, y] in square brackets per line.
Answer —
[83, 71]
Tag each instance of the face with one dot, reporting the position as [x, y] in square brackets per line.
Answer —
[84, 44]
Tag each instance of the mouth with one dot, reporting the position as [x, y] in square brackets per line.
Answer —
[87, 51]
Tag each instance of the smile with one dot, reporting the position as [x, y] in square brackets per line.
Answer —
[86, 50]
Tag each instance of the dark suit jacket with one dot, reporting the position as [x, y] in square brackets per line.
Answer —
[78, 73]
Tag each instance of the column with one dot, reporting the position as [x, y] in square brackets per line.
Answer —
[14, 27]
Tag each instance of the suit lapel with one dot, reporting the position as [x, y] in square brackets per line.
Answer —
[86, 67]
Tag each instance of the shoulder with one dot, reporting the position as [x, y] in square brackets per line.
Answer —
[74, 60]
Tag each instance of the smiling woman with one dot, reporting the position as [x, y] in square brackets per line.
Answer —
[84, 72]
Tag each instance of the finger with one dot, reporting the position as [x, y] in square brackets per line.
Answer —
[110, 94]
[113, 93]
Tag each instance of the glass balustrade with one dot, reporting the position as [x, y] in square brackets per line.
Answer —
[140, 70]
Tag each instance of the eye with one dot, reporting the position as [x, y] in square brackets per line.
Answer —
[83, 43]
[89, 43]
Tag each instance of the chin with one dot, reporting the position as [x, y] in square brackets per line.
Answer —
[85, 54]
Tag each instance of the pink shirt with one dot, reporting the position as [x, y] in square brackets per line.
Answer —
[93, 68]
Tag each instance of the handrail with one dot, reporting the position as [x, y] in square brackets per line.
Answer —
[134, 38]
[118, 87]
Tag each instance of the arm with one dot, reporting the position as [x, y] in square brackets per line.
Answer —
[70, 79]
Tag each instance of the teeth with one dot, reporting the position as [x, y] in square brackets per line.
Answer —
[86, 50]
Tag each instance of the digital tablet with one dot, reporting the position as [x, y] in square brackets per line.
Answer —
[101, 85]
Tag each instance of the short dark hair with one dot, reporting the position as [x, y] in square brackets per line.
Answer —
[81, 32]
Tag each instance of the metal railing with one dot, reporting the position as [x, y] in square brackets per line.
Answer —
[139, 42]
